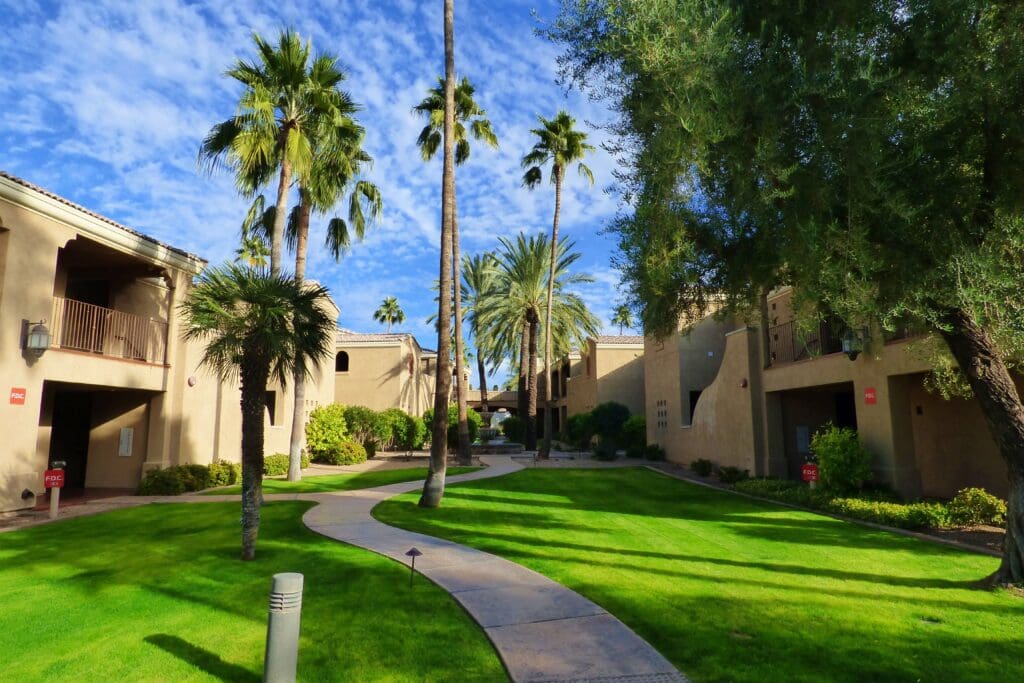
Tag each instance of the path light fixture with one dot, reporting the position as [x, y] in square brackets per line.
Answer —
[38, 338]
[854, 342]
[413, 552]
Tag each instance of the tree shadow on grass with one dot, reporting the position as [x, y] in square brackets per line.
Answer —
[201, 658]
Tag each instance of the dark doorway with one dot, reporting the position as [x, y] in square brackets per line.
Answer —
[846, 410]
[69, 436]
[95, 292]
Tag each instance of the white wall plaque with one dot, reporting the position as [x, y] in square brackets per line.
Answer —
[124, 446]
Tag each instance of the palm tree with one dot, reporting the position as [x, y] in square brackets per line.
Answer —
[479, 283]
[283, 93]
[560, 144]
[430, 138]
[253, 251]
[511, 317]
[623, 317]
[433, 486]
[257, 327]
[389, 313]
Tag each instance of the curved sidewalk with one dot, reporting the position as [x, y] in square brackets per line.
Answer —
[542, 630]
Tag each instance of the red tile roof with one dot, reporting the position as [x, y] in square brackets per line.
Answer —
[620, 339]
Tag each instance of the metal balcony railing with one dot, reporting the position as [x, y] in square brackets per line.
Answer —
[788, 344]
[79, 326]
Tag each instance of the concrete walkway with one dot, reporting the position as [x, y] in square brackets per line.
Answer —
[542, 630]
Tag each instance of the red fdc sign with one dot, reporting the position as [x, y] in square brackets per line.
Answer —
[18, 396]
[870, 397]
[53, 479]
[810, 472]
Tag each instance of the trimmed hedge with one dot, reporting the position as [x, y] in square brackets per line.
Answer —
[224, 473]
[732, 475]
[173, 481]
[473, 418]
[345, 452]
[974, 506]
[702, 467]
[277, 464]
[325, 431]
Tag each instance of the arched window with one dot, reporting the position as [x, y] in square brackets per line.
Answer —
[341, 362]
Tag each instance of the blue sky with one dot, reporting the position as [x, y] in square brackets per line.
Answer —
[106, 102]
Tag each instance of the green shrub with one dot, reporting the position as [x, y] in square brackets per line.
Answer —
[634, 431]
[769, 488]
[607, 420]
[605, 450]
[368, 426]
[653, 451]
[844, 465]
[173, 481]
[325, 431]
[702, 467]
[414, 434]
[732, 475]
[974, 506]
[224, 473]
[276, 464]
[512, 427]
[473, 418]
[578, 431]
[346, 452]
[635, 451]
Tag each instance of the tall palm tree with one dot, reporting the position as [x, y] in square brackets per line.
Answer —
[284, 91]
[433, 486]
[257, 327]
[561, 145]
[390, 312]
[479, 283]
[512, 316]
[430, 138]
[623, 317]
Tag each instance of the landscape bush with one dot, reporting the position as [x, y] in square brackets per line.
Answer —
[368, 427]
[732, 475]
[325, 431]
[173, 481]
[345, 452]
[974, 506]
[607, 420]
[654, 452]
[605, 450]
[473, 418]
[224, 473]
[414, 434]
[578, 431]
[702, 467]
[634, 431]
[513, 429]
[277, 464]
[844, 465]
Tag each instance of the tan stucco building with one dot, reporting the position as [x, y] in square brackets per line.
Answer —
[385, 370]
[117, 392]
[714, 391]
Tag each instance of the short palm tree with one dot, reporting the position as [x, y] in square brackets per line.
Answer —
[512, 316]
[253, 251]
[623, 317]
[466, 111]
[479, 283]
[284, 92]
[561, 145]
[256, 327]
[389, 313]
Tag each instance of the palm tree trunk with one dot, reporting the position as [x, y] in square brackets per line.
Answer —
[299, 406]
[254, 404]
[481, 368]
[979, 359]
[464, 456]
[433, 487]
[285, 181]
[531, 406]
[522, 398]
[545, 450]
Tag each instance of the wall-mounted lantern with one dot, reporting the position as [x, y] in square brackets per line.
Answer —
[38, 338]
[854, 342]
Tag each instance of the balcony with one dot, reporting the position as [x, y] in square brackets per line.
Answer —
[78, 326]
[788, 344]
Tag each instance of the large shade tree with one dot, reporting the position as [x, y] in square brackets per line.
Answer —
[467, 111]
[513, 316]
[433, 486]
[560, 145]
[256, 327]
[870, 154]
[285, 89]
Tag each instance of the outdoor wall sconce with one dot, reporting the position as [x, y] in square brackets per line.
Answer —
[38, 338]
[854, 342]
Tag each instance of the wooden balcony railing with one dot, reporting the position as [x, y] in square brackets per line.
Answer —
[788, 344]
[79, 326]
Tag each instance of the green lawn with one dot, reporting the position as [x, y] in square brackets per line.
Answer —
[345, 481]
[156, 593]
[731, 589]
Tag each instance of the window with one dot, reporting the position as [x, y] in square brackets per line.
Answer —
[694, 397]
[271, 406]
[341, 362]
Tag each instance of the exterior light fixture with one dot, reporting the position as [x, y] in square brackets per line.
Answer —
[38, 339]
[853, 342]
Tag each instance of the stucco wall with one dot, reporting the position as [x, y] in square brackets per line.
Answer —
[620, 376]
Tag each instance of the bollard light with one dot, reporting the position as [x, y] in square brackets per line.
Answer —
[413, 553]
[282, 654]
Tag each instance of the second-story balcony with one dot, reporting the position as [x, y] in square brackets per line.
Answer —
[79, 326]
[787, 343]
